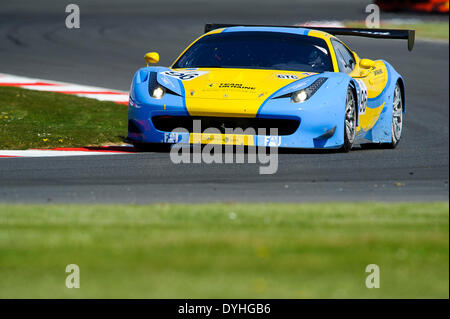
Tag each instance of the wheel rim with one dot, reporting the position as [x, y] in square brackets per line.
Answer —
[397, 115]
[350, 117]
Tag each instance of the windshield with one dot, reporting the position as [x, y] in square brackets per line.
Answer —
[258, 50]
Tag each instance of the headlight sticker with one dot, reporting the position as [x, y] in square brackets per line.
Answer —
[297, 86]
[167, 83]
[184, 75]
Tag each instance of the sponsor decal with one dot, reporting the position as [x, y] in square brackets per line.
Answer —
[272, 140]
[166, 82]
[378, 72]
[287, 76]
[184, 75]
[172, 137]
[235, 86]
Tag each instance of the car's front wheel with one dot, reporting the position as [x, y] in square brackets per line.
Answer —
[349, 121]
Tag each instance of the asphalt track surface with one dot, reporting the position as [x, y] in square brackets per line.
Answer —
[108, 49]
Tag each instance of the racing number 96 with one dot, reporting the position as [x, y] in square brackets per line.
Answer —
[364, 96]
[184, 76]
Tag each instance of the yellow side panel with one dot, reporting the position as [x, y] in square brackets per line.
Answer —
[370, 118]
[375, 81]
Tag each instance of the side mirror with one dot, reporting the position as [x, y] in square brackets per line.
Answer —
[366, 64]
[151, 57]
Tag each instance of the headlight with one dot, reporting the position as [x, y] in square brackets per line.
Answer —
[158, 92]
[304, 94]
[299, 96]
[155, 90]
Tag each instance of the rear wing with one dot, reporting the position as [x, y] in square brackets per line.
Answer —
[359, 32]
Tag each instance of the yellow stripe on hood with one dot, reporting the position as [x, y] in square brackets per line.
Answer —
[234, 92]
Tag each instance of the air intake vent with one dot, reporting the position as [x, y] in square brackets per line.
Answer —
[169, 123]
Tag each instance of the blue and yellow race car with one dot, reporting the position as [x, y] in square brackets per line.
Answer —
[270, 86]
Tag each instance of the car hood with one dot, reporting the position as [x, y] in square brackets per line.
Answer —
[241, 84]
[229, 92]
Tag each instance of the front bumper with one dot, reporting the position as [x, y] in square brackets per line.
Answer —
[319, 125]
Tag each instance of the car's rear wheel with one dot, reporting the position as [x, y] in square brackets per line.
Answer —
[397, 117]
[349, 121]
[396, 123]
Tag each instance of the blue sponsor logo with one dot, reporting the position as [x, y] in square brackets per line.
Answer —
[272, 140]
[172, 137]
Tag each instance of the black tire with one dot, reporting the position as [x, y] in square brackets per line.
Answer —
[349, 121]
[397, 117]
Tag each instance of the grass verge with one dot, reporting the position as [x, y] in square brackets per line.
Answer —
[424, 30]
[33, 119]
[225, 250]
